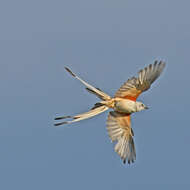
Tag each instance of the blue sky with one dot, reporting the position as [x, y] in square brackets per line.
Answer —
[104, 42]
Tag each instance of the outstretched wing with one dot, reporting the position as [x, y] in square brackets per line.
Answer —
[133, 87]
[119, 129]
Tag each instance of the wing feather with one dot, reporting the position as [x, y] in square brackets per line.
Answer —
[119, 129]
[134, 86]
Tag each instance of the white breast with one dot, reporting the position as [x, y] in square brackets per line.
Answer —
[125, 106]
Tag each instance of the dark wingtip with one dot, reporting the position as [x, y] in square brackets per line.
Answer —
[63, 117]
[129, 161]
[155, 62]
[162, 64]
[159, 62]
[68, 70]
[62, 123]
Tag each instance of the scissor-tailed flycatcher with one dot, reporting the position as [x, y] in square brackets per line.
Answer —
[124, 104]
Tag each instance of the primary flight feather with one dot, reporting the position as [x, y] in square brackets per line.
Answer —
[123, 104]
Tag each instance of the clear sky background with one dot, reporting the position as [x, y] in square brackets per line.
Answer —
[105, 42]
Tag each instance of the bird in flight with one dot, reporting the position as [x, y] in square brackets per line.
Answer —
[123, 104]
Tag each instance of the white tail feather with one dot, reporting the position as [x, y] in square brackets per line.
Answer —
[90, 88]
[83, 116]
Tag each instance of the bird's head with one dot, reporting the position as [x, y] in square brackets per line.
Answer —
[141, 106]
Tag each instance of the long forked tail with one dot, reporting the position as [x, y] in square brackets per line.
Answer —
[90, 88]
[94, 111]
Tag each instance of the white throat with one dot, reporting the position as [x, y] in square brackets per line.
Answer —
[125, 106]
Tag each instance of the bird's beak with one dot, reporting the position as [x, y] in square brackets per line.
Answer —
[146, 107]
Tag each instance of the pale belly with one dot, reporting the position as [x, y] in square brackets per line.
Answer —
[125, 106]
